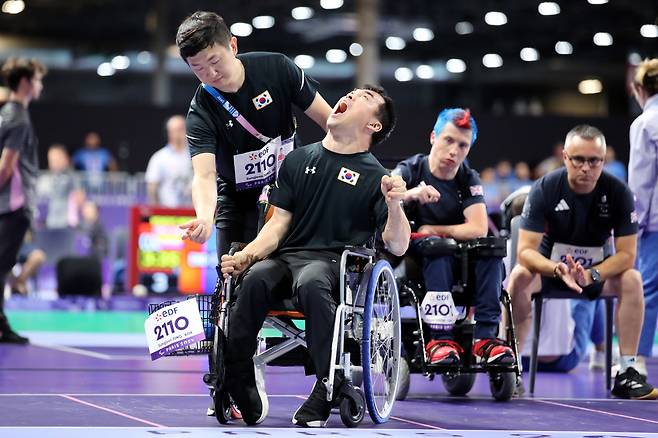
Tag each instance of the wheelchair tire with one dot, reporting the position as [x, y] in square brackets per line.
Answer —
[353, 410]
[459, 384]
[502, 385]
[404, 380]
[381, 342]
[222, 405]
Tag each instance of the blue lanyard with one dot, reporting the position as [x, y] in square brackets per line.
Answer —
[225, 103]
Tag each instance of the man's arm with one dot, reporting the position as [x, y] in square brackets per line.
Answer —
[621, 261]
[319, 111]
[529, 256]
[204, 198]
[268, 239]
[397, 230]
[8, 161]
[152, 192]
[642, 171]
[476, 225]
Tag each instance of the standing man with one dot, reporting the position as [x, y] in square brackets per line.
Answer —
[19, 167]
[328, 195]
[240, 126]
[643, 178]
[447, 199]
[169, 172]
[569, 215]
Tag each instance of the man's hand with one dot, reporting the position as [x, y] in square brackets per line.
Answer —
[197, 230]
[393, 188]
[424, 194]
[572, 274]
[236, 263]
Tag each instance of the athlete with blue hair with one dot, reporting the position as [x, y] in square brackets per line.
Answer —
[447, 199]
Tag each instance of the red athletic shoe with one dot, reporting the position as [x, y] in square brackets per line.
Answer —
[493, 352]
[443, 352]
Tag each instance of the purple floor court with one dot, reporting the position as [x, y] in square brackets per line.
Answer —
[62, 392]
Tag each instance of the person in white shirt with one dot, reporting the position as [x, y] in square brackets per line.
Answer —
[169, 172]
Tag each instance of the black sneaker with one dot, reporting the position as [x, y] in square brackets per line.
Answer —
[316, 409]
[247, 388]
[9, 336]
[631, 384]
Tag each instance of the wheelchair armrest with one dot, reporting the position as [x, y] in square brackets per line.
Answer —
[360, 250]
[433, 246]
[236, 246]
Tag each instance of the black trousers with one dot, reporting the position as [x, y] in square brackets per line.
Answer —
[243, 229]
[310, 278]
[13, 227]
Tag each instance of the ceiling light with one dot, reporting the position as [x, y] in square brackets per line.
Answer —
[304, 61]
[548, 8]
[590, 86]
[529, 54]
[649, 31]
[331, 4]
[144, 57]
[455, 65]
[263, 22]
[241, 29]
[634, 58]
[395, 43]
[302, 13]
[602, 39]
[495, 18]
[425, 71]
[336, 56]
[356, 49]
[563, 48]
[492, 60]
[464, 28]
[120, 62]
[423, 34]
[105, 69]
[597, 2]
[13, 6]
[404, 74]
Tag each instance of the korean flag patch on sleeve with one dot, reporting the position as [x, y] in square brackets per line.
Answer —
[348, 176]
[262, 100]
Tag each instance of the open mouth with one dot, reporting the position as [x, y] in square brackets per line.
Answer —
[341, 108]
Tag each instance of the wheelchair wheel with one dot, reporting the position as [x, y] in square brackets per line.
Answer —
[222, 405]
[502, 385]
[459, 384]
[381, 344]
[404, 380]
[352, 410]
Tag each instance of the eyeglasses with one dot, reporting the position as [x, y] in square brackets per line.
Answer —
[579, 161]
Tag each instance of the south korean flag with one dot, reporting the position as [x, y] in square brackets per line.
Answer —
[348, 176]
[262, 100]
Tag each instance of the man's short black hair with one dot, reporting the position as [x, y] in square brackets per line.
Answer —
[385, 115]
[200, 30]
[16, 69]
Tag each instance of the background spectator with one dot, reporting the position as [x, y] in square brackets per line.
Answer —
[66, 195]
[614, 166]
[94, 158]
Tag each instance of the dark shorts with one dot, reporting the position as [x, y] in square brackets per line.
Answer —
[592, 292]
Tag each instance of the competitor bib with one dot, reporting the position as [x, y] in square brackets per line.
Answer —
[257, 168]
[173, 327]
[439, 308]
[587, 256]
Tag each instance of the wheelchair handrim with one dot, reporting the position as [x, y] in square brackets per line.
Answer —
[381, 345]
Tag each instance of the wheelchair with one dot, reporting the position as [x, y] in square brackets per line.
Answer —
[457, 379]
[367, 316]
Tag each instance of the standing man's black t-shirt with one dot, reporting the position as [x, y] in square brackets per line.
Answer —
[565, 217]
[457, 194]
[210, 128]
[335, 199]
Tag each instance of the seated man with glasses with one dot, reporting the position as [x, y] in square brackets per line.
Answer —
[568, 217]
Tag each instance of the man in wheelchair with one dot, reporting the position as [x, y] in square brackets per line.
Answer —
[447, 200]
[566, 220]
[329, 195]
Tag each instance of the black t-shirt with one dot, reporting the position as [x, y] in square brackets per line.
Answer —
[210, 128]
[17, 132]
[335, 199]
[565, 217]
[457, 194]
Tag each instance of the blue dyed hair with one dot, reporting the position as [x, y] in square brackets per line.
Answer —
[459, 117]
